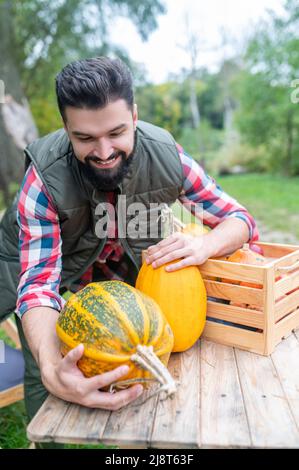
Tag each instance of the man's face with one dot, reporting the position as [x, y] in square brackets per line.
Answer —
[103, 141]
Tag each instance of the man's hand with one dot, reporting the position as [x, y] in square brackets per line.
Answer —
[189, 250]
[66, 381]
[227, 237]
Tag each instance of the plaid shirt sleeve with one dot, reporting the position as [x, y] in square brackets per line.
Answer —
[39, 247]
[200, 188]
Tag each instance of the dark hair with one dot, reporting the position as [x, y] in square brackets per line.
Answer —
[93, 83]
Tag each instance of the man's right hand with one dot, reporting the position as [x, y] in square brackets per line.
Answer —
[66, 381]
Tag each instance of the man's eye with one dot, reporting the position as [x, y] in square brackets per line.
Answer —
[84, 139]
[116, 134]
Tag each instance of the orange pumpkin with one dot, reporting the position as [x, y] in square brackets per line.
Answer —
[195, 229]
[182, 297]
[246, 256]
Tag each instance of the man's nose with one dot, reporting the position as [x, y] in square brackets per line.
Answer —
[103, 149]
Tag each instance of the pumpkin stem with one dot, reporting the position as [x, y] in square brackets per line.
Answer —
[146, 358]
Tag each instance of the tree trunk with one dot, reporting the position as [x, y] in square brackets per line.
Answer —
[17, 127]
[193, 104]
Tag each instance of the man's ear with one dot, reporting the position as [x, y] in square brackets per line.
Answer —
[135, 116]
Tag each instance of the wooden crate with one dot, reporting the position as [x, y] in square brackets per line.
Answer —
[274, 310]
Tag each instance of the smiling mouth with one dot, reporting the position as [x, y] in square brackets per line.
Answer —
[107, 163]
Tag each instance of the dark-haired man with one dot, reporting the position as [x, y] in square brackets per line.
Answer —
[102, 155]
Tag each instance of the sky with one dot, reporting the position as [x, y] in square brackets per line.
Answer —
[165, 51]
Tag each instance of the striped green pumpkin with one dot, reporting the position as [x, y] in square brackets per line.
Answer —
[111, 319]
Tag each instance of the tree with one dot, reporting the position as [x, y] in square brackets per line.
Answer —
[38, 37]
[16, 124]
[267, 116]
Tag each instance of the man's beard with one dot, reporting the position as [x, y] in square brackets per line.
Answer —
[107, 180]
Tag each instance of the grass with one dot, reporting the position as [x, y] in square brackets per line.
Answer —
[272, 199]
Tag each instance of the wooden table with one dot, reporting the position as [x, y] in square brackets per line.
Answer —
[227, 398]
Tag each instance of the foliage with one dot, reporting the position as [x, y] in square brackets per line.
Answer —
[50, 33]
[267, 116]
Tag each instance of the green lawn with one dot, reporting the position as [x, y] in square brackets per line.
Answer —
[271, 199]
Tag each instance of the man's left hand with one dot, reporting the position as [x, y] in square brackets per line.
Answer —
[189, 250]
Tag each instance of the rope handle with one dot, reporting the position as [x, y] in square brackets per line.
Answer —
[286, 269]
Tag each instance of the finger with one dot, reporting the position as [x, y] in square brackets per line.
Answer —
[167, 241]
[114, 401]
[189, 261]
[73, 356]
[172, 256]
[102, 380]
[165, 250]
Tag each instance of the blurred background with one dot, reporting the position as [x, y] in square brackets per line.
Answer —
[221, 75]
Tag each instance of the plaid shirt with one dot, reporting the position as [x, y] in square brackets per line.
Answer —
[40, 239]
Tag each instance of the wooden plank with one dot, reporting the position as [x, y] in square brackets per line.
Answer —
[235, 293]
[81, 425]
[131, 426]
[270, 421]
[288, 283]
[232, 336]
[277, 250]
[11, 395]
[287, 260]
[285, 359]
[223, 416]
[43, 426]
[268, 326]
[285, 326]
[177, 421]
[237, 271]
[286, 305]
[243, 316]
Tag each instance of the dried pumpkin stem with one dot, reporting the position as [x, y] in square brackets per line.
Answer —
[146, 359]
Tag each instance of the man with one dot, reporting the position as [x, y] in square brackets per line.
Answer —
[103, 154]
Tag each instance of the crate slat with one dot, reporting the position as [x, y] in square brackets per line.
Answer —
[232, 292]
[276, 250]
[285, 326]
[243, 316]
[232, 336]
[234, 271]
[286, 305]
[286, 284]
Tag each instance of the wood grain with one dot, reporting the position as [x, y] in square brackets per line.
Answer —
[270, 420]
[177, 421]
[223, 416]
[47, 420]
